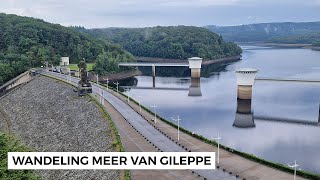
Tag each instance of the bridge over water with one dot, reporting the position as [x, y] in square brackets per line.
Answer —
[287, 80]
[155, 64]
[194, 65]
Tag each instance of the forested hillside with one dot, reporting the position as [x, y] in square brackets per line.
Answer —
[309, 38]
[265, 31]
[175, 42]
[28, 42]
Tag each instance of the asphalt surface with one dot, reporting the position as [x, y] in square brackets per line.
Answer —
[146, 129]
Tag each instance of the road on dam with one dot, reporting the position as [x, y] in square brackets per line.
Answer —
[146, 129]
[162, 135]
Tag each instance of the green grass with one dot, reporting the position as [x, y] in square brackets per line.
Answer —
[9, 144]
[74, 67]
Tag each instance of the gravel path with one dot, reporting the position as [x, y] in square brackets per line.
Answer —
[48, 116]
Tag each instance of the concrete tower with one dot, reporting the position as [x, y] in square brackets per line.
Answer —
[245, 80]
[195, 66]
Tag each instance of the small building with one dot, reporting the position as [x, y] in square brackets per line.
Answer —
[64, 61]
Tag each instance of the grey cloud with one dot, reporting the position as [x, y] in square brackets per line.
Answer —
[139, 13]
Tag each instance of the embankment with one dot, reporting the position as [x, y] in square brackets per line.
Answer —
[47, 115]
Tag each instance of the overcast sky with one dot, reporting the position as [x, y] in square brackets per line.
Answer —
[141, 13]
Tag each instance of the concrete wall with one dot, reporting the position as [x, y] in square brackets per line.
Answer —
[21, 79]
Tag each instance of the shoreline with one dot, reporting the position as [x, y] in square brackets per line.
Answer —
[283, 45]
[116, 77]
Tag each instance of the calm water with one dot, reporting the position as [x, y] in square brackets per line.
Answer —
[215, 111]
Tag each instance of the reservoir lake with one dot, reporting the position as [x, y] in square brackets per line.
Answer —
[282, 124]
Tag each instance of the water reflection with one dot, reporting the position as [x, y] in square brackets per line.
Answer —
[206, 70]
[244, 115]
[195, 88]
[217, 109]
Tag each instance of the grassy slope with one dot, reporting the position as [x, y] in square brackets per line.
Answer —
[10, 144]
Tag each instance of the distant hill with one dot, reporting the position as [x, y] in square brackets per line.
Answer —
[265, 31]
[28, 42]
[307, 38]
[175, 42]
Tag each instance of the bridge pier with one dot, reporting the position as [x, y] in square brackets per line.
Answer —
[319, 115]
[245, 81]
[244, 115]
[195, 66]
[153, 75]
[195, 89]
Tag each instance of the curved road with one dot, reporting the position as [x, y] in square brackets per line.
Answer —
[147, 130]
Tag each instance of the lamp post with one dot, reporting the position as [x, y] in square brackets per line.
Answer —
[218, 141]
[117, 87]
[128, 99]
[69, 74]
[139, 99]
[97, 78]
[178, 119]
[155, 113]
[107, 84]
[295, 165]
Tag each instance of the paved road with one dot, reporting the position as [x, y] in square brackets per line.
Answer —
[146, 129]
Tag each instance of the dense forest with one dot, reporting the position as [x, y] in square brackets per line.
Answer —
[28, 42]
[309, 38]
[174, 42]
[267, 31]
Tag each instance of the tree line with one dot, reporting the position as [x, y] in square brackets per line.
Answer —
[173, 42]
[28, 42]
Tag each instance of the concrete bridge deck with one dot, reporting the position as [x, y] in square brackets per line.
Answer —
[287, 120]
[155, 88]
[165, 133]
[155, 64]
[287, 79]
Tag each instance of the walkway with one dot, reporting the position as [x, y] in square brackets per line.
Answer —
[133, 141]
[146, 129]
[164, 136]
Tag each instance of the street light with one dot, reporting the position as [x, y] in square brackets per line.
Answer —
[117, 87]
[107, 84]
[295, 165]
[155, 113]
[97, 78]
[69, 74]
[101, 97]
[218, 141]
[127, 89]
[178, 119]
[139, 99]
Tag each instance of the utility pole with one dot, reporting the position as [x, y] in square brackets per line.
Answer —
[107, 84]
[139, 99]
[117, 87]
[97, 78]
[155, 113]
[295, 165]
[69, 74]
[101, 97]
[127, 89]
[217, 139]
[178, 119]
